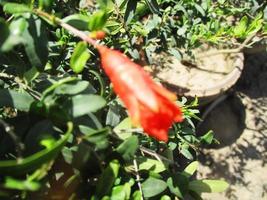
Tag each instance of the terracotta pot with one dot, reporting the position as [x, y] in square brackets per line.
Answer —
[175, 75]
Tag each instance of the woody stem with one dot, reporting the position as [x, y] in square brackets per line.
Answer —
[66, 26]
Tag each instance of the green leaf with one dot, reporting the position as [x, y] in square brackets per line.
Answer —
[84, 104]
[79, 57]
[121, 192]
[107, 179]
[13, 8]
[130, 10]
[175, 53]
[128, 148]
[136, 195]
[165, 197]
[106, 4]
[74, 87]
[46, 4]
[78, 21]
[178, 184]
[208, 186]
[33, 162]
[150, 164]
[36, 43]
[113, 115]
[240, 29]
[25, 185]
[191, 168]
[153, 6]
[199, 9]
[16, 27]
[208, 137]
[98, 137]
[14, 99]
[97, 21]
[4, 32]
[152, 187]
[121, 128]
[186, 153]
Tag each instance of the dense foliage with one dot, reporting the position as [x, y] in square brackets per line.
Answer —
[64, 132]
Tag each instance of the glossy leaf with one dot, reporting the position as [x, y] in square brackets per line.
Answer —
[151, 165]
[19, 100]
[36, 44]
[13, 8]
[25, 185]
[130, 10]
[79, 57]
[178, 185]
[97, 21]
[107, 179]
[208, 186]
[121, 128]
[191, 168]
[84, 104]
[128, 148]
[152, 187]
[78, 21]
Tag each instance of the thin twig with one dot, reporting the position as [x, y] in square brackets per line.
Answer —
[10, 131]
[17, 80]
[157, 156]
[229, 51]
[138, 179]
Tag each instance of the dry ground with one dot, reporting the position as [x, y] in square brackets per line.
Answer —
[240, 123]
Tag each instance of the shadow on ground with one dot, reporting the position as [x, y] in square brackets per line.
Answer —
[240, 123]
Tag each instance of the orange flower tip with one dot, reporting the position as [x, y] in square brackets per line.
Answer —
[178, 118]
[135, 121]
[163, 137]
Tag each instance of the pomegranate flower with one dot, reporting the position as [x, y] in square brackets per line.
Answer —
[149, 104]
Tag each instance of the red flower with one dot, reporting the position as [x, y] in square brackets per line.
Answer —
[148, 103]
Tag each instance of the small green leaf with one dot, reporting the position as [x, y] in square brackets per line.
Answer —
[78, 21]
[74, 87]
[151, 165]
[97, 21]
[208, 137]
[46, 4]
[36, 43]
[208, 186]
[130, 10]
[165, 197]
[4, 32]
[128, 148]
[136, 195]
[14, 99]
[178, 184]
[186, 153]
[152, 187]
[79, 57]
[153, 6]
[13, 8]
[240, 29]
[84, 104]
[121, 192]
[121, 128]
[25, 185]
[107, 179]
[191, 168]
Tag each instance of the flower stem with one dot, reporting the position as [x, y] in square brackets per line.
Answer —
[66, 26]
